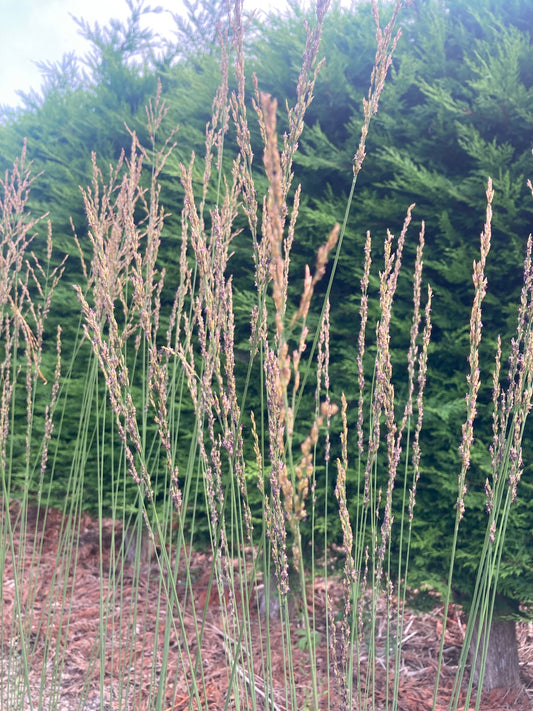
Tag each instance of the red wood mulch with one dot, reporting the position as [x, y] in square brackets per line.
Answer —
[64, 609]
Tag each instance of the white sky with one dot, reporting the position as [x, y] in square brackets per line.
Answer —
[43, 30]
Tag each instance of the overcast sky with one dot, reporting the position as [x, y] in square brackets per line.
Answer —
[43, 30]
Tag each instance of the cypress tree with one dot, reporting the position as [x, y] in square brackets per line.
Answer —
[457, 110]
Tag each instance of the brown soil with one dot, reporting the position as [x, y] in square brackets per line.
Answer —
[134, 631]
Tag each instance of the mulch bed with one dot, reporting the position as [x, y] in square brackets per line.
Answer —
[71, 645]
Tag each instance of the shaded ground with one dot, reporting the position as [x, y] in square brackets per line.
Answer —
[64, 673]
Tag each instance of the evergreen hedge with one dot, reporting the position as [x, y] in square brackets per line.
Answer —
[458, 108]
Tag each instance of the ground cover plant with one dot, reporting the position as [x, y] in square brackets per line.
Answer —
[304, 499]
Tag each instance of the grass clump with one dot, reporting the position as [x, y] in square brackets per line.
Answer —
[156, 364]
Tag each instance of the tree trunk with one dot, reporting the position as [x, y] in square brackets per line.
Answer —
[501, 667]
